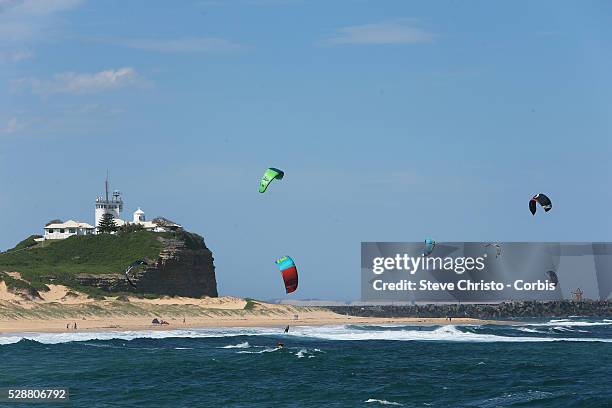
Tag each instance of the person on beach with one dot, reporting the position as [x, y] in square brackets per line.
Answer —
[67, 326]
[287, 329]
[183, 320]
[75, 327]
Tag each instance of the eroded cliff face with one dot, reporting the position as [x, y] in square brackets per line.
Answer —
[185, 267]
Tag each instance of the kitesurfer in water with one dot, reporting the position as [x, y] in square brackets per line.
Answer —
[280, 345]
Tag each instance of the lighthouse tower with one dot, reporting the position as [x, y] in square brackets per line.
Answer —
[112, 205]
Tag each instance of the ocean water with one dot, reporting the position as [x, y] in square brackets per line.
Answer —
[539, 363]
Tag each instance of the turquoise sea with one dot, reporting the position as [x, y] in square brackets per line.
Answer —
[536, 363]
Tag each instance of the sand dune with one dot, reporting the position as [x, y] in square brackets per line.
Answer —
[6, 295]
[225, 302]
[63, 294]
[60, 307]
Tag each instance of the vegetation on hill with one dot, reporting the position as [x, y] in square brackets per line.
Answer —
[129, 228]
[26, 243]
[58, 261]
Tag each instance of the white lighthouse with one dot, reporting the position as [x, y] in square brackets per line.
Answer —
[112, 205]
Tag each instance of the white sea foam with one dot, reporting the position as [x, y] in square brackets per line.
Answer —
[239, 345]
[56, 338]
[266, 350]
[301, 353]
[382, 402]
[571, 323]
[566, 329]
[528, 330]
[444, 333]
[338, 333]
[509, 399]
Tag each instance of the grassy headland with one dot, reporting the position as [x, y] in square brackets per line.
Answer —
[58, 261]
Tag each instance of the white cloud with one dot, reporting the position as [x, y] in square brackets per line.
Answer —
[33, 7]
[15, 56]
[26, 21]
[75, 83]
[12, 126]
[191, 44]
[402, 31]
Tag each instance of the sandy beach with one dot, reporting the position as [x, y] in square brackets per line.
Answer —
[121, 323]
[60, 308]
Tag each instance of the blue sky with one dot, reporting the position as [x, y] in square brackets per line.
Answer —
[394, 121]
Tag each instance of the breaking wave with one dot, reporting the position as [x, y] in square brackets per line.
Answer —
[382, 402]
[571, 323]
[443, 333]
[239, 345]
[266, 350]
[553, 330]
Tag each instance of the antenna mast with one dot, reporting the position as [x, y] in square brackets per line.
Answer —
[106, 185]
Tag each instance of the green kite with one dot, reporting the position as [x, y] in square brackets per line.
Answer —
[268, 176]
